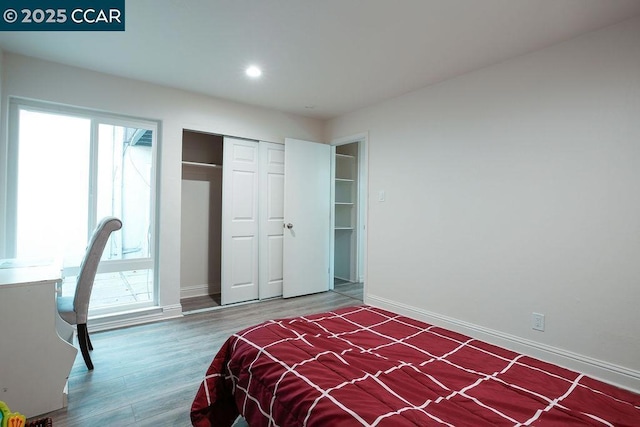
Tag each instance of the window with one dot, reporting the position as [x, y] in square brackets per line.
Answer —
[70, 169]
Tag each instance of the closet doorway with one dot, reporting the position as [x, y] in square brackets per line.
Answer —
[231, 220]
[201, 222]
[349, 185]
[233, 215]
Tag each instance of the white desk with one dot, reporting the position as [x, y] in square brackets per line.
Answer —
[35, 361]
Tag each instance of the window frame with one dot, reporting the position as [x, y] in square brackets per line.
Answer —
[96, 119]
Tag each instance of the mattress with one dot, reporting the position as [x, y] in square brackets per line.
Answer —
[364, 366]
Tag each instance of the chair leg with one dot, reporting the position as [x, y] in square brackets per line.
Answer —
[83, 338]
[89, 341]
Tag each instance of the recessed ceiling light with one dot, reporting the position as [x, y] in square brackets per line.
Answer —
[253, 71]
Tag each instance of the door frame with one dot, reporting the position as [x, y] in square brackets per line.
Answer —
[363, 161]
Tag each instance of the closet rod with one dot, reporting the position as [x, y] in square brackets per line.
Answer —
[204, 165]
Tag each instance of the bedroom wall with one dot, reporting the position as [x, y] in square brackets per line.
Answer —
[176, 109]
[3, 153]
[1, 73]
[512, 190]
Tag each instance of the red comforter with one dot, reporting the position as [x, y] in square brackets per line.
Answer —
[370, 367]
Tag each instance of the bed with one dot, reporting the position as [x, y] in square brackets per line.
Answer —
[367, 366]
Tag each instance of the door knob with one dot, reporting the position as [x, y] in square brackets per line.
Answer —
[289, 226]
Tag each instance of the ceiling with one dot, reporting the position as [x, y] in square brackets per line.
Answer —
[320, 58]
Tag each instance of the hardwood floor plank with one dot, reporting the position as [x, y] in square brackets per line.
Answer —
[349, 289]
[148, 375]
[118, 417]
[162, 411]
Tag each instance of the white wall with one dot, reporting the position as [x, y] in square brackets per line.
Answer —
[36, 79]
[201, 232]
[3, 154]
[1, 73]
[515, 189]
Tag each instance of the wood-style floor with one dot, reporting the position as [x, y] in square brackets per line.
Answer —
[196, 304]
[148, 375]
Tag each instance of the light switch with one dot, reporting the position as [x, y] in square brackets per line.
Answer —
[381, 196]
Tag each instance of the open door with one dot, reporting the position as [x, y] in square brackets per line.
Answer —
[307, 218]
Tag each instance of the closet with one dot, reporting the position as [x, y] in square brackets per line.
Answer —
[232, 217]
[346, 213]
[201, 223]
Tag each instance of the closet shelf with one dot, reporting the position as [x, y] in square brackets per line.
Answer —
[201, 165]
[344, 228]
[345, 180]
[345, 156]
[345, 203]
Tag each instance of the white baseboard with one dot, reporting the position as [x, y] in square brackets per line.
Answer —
[134, 317]
[194, 291]
[198, 290]
[608, 372]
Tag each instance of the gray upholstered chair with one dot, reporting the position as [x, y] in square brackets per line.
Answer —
[74, 310]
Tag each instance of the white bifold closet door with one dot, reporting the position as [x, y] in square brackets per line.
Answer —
[271, 218]
[240, 223]
[266, 186]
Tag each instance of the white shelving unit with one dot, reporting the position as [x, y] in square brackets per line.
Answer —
[346, 212]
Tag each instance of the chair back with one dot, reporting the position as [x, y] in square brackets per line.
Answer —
[89, 265]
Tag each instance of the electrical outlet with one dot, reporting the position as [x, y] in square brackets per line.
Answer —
[537, 321]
